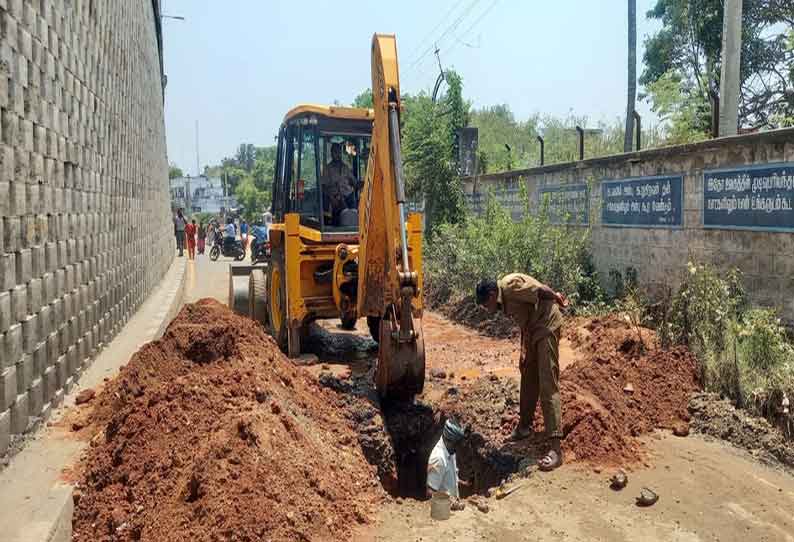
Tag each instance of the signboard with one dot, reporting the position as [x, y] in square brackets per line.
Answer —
[752, 197]
[643, 202]
[468, 141]
[567, 203]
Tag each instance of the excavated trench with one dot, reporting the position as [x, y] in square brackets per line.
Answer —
[397, 438]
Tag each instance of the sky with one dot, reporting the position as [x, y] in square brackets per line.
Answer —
[237, 66]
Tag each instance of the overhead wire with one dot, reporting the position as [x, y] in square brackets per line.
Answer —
[420, 44]
[457, 38]
[451, 28]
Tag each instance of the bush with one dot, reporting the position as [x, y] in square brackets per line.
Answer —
[744, 353]
[493, 245]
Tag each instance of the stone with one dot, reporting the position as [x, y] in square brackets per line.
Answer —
[84, 396]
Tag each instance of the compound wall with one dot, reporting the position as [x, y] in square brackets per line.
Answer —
[760, 242]
[85, 232]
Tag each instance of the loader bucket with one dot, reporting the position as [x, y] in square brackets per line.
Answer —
[400, 372]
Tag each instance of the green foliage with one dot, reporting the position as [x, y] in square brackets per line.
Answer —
[703, 308]
[249, 176]
[253, 200]
[175, 172]
[493, 245]
[363, 100]
[744, 352]
[430, 153]
[688, 48]
[682, 106]
[499, 130]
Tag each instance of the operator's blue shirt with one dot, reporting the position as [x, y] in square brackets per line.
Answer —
[244, 228]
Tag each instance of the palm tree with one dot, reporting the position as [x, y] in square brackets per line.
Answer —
[632, 71]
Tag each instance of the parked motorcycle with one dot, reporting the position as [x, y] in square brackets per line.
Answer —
[229, 250]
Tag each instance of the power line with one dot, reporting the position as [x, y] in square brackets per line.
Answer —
[452, 47]
[451, 28]
[421, 42]
[473, 25]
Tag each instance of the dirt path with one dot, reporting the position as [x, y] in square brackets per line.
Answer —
[708, 491]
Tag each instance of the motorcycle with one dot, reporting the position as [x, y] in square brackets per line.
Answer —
[230, 250]
[260, 252]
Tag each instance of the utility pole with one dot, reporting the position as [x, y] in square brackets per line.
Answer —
[632, 76]
[198, 171]
[729, 76]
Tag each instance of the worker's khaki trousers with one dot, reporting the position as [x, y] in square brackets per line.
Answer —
[540, 378]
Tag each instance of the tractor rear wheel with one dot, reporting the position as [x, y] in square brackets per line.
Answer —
[277, 301]
[257, 296]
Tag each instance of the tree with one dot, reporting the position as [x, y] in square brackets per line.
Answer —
[429, 145]
[175, 172]
[632, 74]
[363, 100]
[688, 48]
[246, 156]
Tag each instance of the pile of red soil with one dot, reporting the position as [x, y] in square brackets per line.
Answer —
[616, 392]
[212, 434]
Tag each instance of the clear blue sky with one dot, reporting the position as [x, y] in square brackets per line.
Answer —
[237, 66]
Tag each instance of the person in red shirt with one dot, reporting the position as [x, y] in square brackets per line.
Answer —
[190, 237]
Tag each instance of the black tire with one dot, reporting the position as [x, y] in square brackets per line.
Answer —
[257, 296]
[277, 301]
[214, 253]
[373, 322]
[240, 256]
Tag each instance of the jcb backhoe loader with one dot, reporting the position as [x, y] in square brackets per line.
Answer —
[341, 242]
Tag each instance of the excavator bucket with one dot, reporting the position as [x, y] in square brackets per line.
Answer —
[400, 372]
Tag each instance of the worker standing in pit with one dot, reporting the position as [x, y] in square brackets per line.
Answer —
[442, 466]
[535, 308]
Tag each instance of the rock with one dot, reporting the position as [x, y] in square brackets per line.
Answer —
[77, 425]
[647, 497]
[260, 395]
[84, 396]
[619, 480]
[440, 374]
[306, 359]
[452, 390]
[629, 387]
[681, 429]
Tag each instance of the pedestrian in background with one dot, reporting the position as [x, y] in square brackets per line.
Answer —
[190, 236]
[202, 237]
[179, 231]
[244, 234]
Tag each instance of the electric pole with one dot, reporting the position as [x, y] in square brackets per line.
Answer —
[729, 76]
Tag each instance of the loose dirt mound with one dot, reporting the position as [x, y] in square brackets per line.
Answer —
[211, 434]
[614, 394]
[466, 311]
[719, 418]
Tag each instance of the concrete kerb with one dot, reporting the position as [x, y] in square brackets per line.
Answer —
[43, 512]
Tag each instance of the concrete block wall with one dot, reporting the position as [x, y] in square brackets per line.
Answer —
[660, 255]
[85, 231]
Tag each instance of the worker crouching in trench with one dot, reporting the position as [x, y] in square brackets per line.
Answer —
[535, 308]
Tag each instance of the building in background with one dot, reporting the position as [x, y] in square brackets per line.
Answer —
[200, 195]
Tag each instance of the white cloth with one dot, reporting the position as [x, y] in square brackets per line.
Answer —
[229, 231]
[442, 470]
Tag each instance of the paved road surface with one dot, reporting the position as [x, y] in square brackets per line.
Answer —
[206, 278]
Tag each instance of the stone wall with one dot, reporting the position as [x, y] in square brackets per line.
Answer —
[85, 232]
[660, 254]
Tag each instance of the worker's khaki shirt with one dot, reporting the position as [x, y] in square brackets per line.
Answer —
[519, 298]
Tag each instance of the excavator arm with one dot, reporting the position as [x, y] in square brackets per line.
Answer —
[388, 266]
